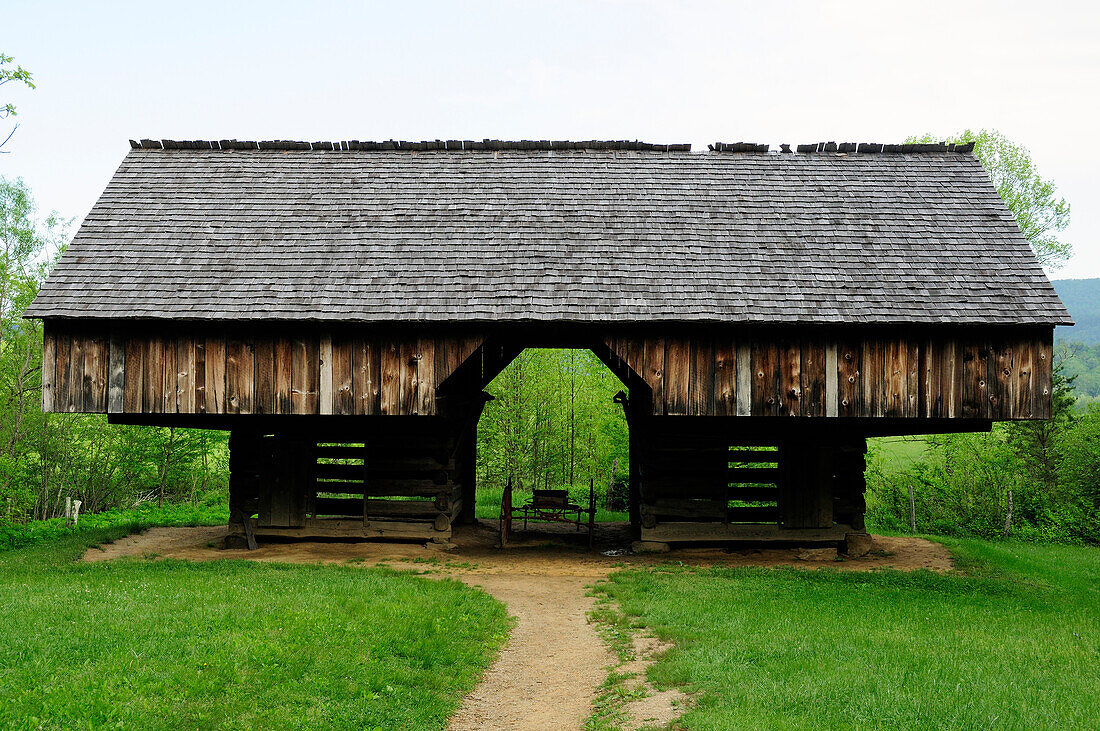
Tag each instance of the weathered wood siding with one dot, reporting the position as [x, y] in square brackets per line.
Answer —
[972, 374]
[236, 372]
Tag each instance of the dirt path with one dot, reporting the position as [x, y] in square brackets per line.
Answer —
[548, 674]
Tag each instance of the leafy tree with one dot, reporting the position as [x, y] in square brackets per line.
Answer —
[45, 459]
[19, 75]
[1034, 201]
[553, 423]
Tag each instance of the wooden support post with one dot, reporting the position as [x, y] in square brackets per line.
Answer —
[244, 467]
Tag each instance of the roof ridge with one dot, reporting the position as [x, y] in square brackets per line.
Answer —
[449, 145]
[546, 145]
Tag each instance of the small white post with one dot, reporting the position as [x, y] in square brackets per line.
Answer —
[76, 511]
[68, 509]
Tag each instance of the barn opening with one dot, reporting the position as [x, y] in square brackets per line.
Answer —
[555, 422]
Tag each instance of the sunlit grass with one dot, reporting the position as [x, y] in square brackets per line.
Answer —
[1011, 641]
[232, 644]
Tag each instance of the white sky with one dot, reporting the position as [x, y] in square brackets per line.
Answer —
[656, 71]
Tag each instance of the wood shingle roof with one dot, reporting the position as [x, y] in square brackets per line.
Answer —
[574, 235]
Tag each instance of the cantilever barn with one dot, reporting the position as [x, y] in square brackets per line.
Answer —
[339, 307]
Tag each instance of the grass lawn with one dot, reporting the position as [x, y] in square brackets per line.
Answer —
[488, 504]
[232, 644]
[1010, 640]
[897, 454]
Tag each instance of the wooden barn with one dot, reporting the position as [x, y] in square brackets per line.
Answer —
[340, 307]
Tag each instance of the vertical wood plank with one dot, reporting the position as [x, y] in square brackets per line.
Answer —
[116, 372]
[895, 375]
[215, 375]
[153, 376]
[199, 378]
[325, 395]
[76, 372]
[677, 367]
[813, 377]
[409, 388]
[953, 375]
[1044, 376]
[390, 375]
[365, 376]
[913, 377]
[635, 355]
[655, 372]
[701, 374]
[446, 356]
[425, 375]
[766, 399]
[743, 392]
[240, 375]
[263, 365]
[63, 399]
[133, 387]
[49, 367]
[874, 377]
[975, 370]
[1024, 407]
[169, 375]
[305, 374]
[850, 378]
[832, 380]
[95, 374]
[725, 377]
[1002, 377]
[343, 396]
[789, 364]
[185, 379]
[282, 355]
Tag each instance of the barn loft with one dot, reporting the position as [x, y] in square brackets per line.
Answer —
[339, 307]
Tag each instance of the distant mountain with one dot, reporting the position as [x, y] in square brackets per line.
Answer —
[1082, 298]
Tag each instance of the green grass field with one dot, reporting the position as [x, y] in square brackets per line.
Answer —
[1011, 640]
[232, 644]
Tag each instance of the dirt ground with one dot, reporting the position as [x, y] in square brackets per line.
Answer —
[548, 674]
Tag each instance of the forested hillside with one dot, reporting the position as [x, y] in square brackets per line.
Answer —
[1079, 345]
[1082, 298]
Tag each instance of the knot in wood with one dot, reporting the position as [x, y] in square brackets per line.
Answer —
[1007, 371]
[848, 356]
[760, 374]
[851, 379]
[981, 384]
[844, 402]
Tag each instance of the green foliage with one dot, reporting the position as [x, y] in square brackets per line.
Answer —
[212, 509]
[8, 74]
[45, 459]
[233, 644]
[552, 424]
[1038, 480]
[1034, 201]
[1011, 643]
[1082, 363]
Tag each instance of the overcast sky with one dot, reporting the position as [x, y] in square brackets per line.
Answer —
[613, 69]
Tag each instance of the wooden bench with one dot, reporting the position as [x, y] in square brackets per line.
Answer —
[546, 506]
